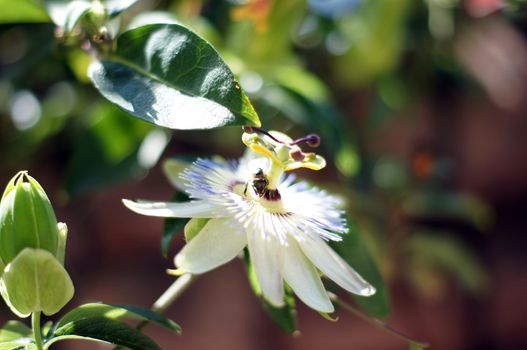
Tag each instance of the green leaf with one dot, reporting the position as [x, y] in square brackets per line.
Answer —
[67, 13]
[354, 251]
[375, 34]
[193, 227]
[284, 317]
[111, 148]
[414, 346]
[450, 206]
[116, 312]
[169, 76]
[20, 344]
[13, 330]
[173, 226]
[35, 281]
[22, 11]
[105, 330]
[444, 252]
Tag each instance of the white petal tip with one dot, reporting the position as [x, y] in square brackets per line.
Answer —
[179, 261]
[325, 309]
[275, 303]
[185, 265]
[128, 203]
[368, 291]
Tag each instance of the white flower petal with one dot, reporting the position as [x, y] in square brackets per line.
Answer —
[265, 255]
[195, 209]
[173, 168]
[302, 276]
[334, 267]
[216, 244]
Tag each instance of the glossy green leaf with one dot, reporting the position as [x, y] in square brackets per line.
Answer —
[284, 317]
[105, 330]
[169, 76]
[173, 226]
[13, 330]
[116, 312]
[354, 251]
[35, 281]
[22, 11]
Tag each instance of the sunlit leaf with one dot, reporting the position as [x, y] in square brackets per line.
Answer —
[104, 330]
[115, 312]
[22, 11]
[20, 344]
[167, 75]
[13, 330]
[353, 249]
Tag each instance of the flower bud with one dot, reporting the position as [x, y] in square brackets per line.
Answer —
[27, 219]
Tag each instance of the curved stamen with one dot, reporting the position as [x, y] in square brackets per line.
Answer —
[312, 140]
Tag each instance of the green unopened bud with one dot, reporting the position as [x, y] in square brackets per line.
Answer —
[27, 219]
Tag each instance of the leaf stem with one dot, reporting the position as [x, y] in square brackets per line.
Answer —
[376, 322]
[35, 324]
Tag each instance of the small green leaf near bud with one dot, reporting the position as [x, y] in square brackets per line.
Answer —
[27, 218]
[35, 281]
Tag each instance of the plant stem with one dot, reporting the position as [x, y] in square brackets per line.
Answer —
[377, 323]
[173, 292]
[35, 323]
[168, 297]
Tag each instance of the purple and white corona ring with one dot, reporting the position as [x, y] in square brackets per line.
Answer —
[250, 203]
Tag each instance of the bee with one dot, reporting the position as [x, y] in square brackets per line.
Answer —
[259, 183]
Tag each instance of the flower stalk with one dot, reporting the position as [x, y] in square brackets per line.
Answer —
[35, 323]
[173, 292]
